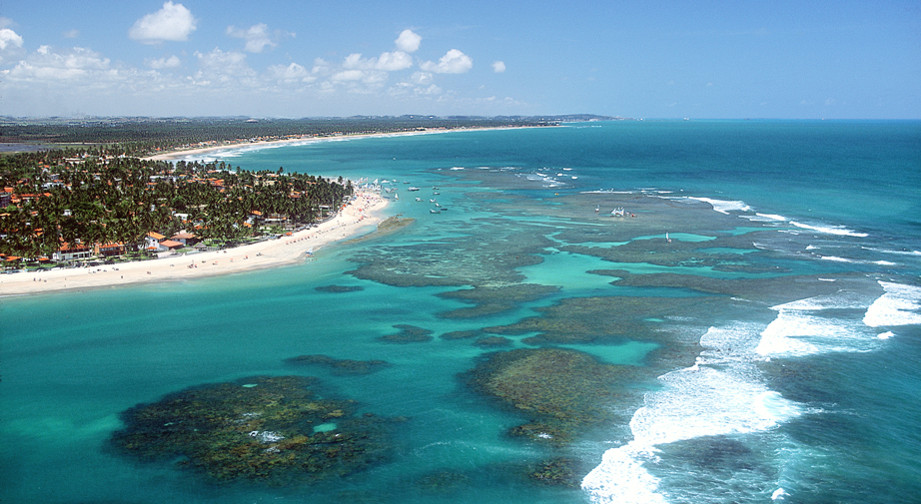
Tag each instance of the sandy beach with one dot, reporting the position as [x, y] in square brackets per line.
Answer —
[193, 152]
[364, 211]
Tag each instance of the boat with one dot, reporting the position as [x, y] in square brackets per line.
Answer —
[618, 212]
[413, 189]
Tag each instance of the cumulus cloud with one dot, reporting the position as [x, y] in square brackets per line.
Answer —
[498, 66]
[291, 73]
[173, 22]
[393, 61]
[387, 62]
[257, 37]
[224, 67]
[48, 65]
[408, 41]
[453, 62]
[9, 39]
[163, 63]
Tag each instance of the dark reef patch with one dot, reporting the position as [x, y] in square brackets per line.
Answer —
[465, 260]
[492, 341]
[274, 430]
[408, 334]
[489, 300]
[457, 335]
[339, 367]
[607, 320]
[338, 289]
[562, 392]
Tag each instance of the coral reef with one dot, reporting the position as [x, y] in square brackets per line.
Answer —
[560, 471]
[257, 429]
[408, 334]
[561, 391]
[339, 367]
[490, 300]
[338, 289]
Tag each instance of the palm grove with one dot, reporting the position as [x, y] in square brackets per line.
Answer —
[58, 198]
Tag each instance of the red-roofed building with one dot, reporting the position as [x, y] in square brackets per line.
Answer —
[110, 249]
[171, 245]
[71, 252]
[185, 238]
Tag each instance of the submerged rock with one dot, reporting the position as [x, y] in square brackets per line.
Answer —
[561, 391]
[257, 429]
[457, 335]
[338, 289]
[489, 300]
[339, 367]
[560, 471]
[493, 341]
[408, 334]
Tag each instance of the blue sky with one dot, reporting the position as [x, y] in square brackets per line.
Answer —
[730, 59]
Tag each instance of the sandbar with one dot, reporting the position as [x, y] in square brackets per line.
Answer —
[362, 213]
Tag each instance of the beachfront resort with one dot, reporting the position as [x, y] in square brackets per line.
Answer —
[58, 208]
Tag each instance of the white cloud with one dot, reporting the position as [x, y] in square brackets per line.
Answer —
[355, 60]
[9, 38]
[453, 62]
[348, 75]
[46, 65]
[498, 66]
[388, 62]
[174, 22]
[408, 41]
[421, 78]
[163, 63]
[226, 68]
[393, 61]
[74, 33]
[292, 73]
[10, 41]
[257, 37]
[321, 67]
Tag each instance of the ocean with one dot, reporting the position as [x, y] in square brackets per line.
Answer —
[602, 312]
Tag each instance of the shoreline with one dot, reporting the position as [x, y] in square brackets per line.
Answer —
[364, 210]
[184, 153]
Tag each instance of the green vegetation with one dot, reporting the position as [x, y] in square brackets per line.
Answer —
[140, 136]
[58, 201]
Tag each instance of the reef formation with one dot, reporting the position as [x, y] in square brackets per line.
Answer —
[271, 429]
[561, 392]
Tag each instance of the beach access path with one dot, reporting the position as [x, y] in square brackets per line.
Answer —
[363, 211]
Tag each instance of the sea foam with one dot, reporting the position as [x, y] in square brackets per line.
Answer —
[721, 394]
[899, 305]
[818, 325]
[724, 206]
[828, 229]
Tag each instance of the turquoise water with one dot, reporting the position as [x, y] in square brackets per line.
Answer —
[772, 345]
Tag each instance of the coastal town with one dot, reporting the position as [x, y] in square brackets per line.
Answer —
[60, 209]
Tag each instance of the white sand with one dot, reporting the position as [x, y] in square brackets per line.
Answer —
[192, 153]
[363, 212]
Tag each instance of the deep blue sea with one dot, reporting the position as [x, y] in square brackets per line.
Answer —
[752, 323]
